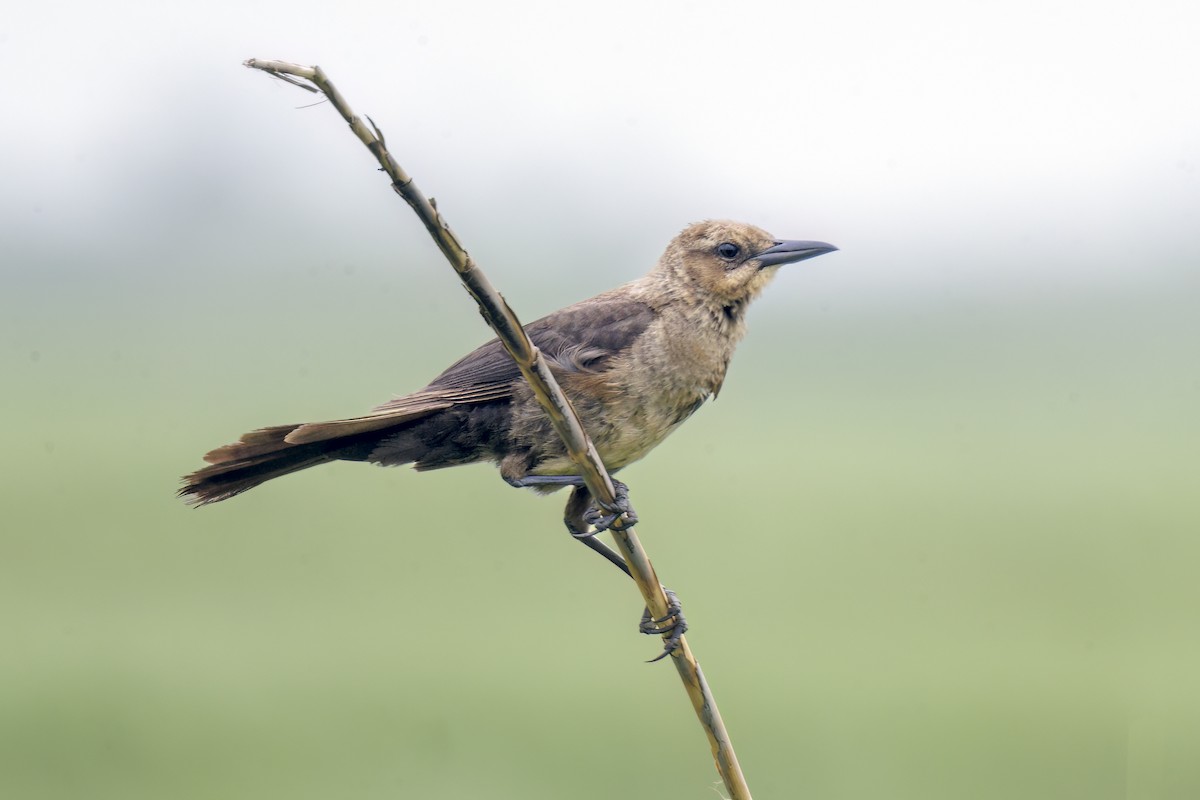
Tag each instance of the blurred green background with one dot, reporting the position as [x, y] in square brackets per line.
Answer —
[937, 538]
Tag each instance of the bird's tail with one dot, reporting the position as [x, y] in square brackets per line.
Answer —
[260, 456]
[271, 452]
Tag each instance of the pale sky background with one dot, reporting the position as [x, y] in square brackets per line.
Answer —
[944, 146]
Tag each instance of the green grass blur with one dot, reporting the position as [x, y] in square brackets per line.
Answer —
[939, 549]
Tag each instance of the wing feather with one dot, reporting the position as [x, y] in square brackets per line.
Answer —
[579, 338]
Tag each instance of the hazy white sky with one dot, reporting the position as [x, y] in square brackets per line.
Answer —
[933, 141]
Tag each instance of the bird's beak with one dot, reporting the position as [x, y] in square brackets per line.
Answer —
[789, 252]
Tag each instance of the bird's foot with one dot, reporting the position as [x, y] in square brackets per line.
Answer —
[579, 516]
[672, 625]
[603, 517]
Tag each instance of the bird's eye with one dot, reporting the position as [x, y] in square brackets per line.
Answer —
[728, 250]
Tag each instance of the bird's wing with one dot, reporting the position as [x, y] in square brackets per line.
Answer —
[579, 338]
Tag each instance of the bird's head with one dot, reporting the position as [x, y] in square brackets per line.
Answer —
[729, 263]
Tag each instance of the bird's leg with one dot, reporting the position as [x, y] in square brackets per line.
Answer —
[600, 517]
[577, 526]
[674, 624]
[527, 481]
[583, 511]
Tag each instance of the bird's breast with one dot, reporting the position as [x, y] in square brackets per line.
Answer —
[664, 378]
[647, 391]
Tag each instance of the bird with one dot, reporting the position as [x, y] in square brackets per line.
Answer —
[635, 361]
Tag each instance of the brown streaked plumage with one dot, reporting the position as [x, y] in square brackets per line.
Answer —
[635, 361]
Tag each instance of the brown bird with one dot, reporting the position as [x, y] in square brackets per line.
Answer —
[635, 361]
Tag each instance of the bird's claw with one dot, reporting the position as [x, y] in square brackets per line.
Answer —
[601, 518]
[672, 625]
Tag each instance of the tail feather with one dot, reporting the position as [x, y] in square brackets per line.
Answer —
[251, 445]
[266, 453]
[419, 428]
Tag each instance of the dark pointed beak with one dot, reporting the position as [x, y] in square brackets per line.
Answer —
[789, 252]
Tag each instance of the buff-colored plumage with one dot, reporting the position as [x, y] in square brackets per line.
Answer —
[635, 361]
